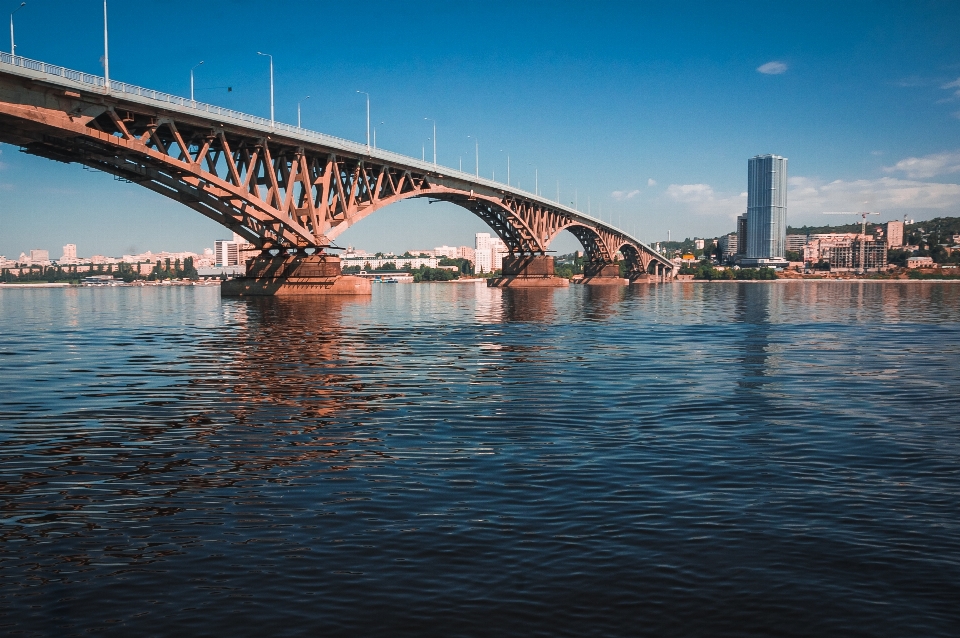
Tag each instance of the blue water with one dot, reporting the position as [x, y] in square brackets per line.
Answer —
[450, 460]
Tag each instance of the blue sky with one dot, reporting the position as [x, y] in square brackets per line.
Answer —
[648, 111]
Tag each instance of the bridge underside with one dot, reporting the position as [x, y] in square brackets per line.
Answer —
[285, 196]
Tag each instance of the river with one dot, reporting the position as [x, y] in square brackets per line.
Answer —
[741, 459]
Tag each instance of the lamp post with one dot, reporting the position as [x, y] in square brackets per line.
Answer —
[13, 46]
[368, 119]
[298, 110]
[191, 79]
[476, 149]
[272, 121]
[508, 167]
[106, 50]
[434, 139]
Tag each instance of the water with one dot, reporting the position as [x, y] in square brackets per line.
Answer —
[445, 459]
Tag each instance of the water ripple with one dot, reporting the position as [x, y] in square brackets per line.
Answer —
[725, 459]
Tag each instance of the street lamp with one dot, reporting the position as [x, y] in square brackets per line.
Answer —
[106, 50]
[434, 139]
[298, 110]
[375, 136]
[13, 47]
[368, 119]
[272, 121]
[476, 145]
[191, 79]
[508, 167]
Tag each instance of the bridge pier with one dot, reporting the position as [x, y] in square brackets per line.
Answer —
[528, 271]
[299, 274]
[603, 275]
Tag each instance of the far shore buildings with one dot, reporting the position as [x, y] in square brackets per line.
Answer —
[430, 258]
[70, 259]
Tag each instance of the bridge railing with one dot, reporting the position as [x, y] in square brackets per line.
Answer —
[97, 82]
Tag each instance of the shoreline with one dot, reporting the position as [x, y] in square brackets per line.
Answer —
[831, 280]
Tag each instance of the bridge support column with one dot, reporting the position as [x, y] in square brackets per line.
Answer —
[603, 275]
[528, 271]
[300, 274]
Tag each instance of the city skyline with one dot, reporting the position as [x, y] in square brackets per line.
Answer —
[661, 107]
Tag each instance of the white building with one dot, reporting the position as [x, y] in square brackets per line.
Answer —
[766, 211]
[401, 263]
[69, 254]
[450, 252]
[728, 244]
[39, 257]
[227, 252]
[489, 253]
[465, 252]
[894, 234]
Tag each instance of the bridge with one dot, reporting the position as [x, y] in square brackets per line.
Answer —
[288, 191]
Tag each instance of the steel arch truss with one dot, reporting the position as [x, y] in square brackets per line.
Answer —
[278, 192]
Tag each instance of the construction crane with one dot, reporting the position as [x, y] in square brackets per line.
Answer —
[863, 236]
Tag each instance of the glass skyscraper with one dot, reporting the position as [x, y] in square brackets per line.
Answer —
[766, 211]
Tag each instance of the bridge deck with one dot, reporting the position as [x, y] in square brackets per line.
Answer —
[67, 78]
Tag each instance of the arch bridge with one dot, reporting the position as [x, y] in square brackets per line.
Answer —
[282, 188]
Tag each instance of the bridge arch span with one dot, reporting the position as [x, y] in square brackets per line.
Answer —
[278, 186]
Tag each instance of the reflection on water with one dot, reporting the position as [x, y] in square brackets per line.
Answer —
[451, 459]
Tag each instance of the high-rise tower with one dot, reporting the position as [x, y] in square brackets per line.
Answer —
[766, 211]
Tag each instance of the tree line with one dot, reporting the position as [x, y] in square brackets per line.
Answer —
[122, 271]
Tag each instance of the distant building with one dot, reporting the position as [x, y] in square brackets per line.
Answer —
[39, 257]
[842, 251]
[227, 252]
[372, 263]
[489, 253]
[728, 246]
[69, 254]
[465, 252]
[445, 251]
[741, 235]
[920, 262]
[766, 211]
[894, 234]
[795, 243]
[698, 244]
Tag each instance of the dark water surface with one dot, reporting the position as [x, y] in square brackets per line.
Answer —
[725, 460]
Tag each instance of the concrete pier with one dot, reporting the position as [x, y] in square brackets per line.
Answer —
[528, 271]
[606, 275]
[317, 274]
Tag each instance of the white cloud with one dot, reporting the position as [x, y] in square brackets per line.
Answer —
[701, 199]
[651, 182]
[887, 194]
[624, 195]
[951, 85]
[772, 68]
[912, 81]
[928, 165]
